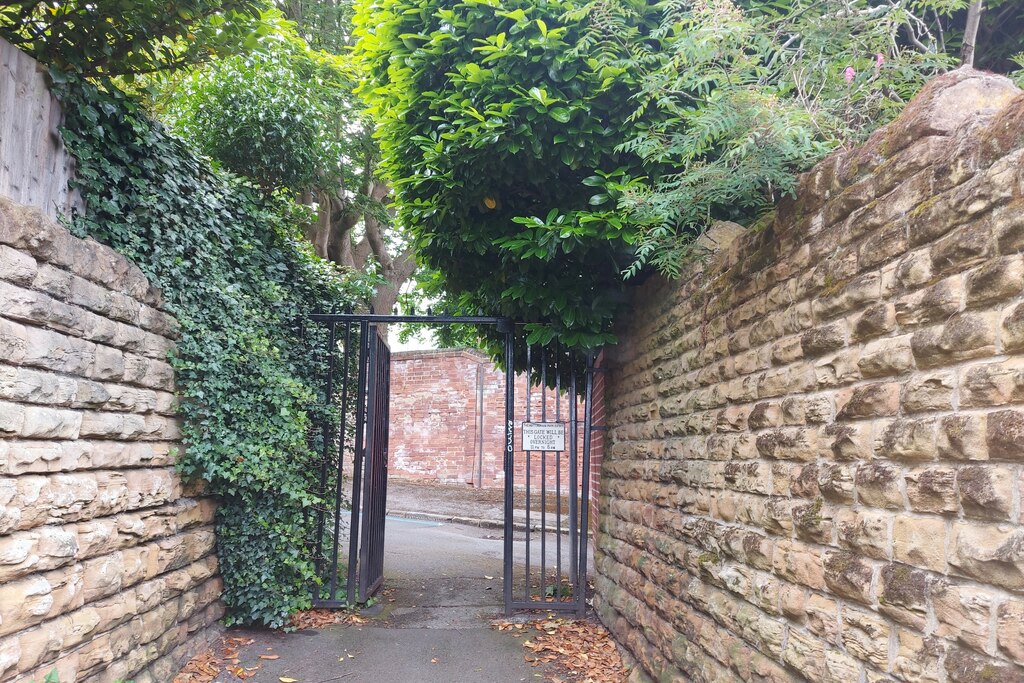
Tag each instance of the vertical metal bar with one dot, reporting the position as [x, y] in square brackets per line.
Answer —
[588, 409]
[357, 466]
[325, 434]
[543, 476]
[369, 469]
[342, 426]
[573, 480]
[558, 478]
[510, 381]
[529, 456]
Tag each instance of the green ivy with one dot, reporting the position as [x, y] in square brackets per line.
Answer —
[237, 275]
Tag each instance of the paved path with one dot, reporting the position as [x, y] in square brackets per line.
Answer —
[433, 627]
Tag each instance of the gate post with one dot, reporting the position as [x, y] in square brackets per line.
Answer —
[508, 328]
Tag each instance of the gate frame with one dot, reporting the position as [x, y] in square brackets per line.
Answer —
[506, 326]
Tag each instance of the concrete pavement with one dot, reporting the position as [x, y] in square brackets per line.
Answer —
[444, 584]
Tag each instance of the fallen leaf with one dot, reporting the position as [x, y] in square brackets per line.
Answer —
[270, 656]
[285, 679]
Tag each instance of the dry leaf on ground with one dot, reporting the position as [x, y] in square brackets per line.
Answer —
[322, 618]
[205, 666]
[581, 649]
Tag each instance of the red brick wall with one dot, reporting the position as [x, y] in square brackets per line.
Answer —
[435, 422]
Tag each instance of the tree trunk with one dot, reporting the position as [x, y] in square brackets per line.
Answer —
[971, 33]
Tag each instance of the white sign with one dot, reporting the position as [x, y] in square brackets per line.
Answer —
[543, 436]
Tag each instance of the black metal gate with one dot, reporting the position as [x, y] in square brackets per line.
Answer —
[546, 464]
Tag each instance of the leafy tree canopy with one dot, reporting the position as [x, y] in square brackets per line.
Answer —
[543, 152]
[128, 37]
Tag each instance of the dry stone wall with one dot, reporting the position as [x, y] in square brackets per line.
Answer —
[816, 447]
[107, 566]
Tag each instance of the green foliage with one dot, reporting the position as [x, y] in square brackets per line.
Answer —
[737, 102]
[543, 153]
[485, 114]
[238, 276]
[120, 37]
[273, 115]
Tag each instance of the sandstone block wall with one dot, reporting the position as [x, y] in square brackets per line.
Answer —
[107, 566]
[816, 456]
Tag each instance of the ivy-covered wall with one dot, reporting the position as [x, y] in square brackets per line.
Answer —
[107, 563]
[815, 465]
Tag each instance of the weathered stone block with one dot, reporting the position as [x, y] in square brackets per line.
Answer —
[1010, 629]
[903, 593]
[993, 384]
[986, 492]
[920, 541]
[866, 636]
[992, 554]
[963, 437]
[934, 304]
[910, 440]
[996, 280]
[886, 357]
[963, 612]
[929, 392]
[879, 485]
[865, 531]
[932, 489]
[869, 400]
[964, 336]
[849, 575]
[17, 266]
[1004, 431]
[875, 321]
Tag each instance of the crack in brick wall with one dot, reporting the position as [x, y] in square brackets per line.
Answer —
[816, 451]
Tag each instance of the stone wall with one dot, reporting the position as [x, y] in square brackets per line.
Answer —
[107, 566]
[816, 456]
[34, 165]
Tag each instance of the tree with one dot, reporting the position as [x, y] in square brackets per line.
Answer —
[122, 37]
[286, 117]
[545, 152]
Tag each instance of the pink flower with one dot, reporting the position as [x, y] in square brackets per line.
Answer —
[879, 60]
[849, 73]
